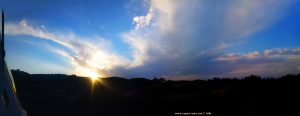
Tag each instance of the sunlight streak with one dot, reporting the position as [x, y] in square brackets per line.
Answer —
[86, 72]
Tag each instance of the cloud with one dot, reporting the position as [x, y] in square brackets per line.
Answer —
[268, 53]
[232, 56]
[270, 62]
[282, 51]
[182, 37]
[141, 21]
[88, 55]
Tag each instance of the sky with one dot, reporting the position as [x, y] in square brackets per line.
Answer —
[175, 39]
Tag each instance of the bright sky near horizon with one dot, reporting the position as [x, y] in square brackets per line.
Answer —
[176, 39]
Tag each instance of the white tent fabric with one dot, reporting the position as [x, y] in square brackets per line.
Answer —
[9, 104]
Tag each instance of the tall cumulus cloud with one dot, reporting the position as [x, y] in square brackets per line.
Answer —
[181, 38]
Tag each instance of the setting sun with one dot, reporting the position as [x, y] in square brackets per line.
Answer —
[94, 77]
[88, 73]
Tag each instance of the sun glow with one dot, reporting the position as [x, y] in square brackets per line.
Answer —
[93, 75]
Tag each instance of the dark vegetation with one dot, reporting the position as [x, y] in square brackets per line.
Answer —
[69, 95]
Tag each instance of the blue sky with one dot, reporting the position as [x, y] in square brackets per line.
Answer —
[181, 39]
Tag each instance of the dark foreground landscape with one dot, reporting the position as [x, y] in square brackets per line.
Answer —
[68, 95]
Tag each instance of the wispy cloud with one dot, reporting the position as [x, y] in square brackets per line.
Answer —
[88, 54]
[268, 53]
[270, 62]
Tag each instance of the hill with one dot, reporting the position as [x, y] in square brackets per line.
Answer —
[61, 95]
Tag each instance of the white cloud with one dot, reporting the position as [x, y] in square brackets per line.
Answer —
[181, 35]
[141, 21]
[88, 55]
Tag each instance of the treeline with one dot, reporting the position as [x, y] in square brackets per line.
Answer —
[289, 77]
[59, 94]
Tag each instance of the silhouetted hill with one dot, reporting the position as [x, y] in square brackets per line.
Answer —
[61, 95]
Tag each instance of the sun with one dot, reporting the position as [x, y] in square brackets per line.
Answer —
[93, 75]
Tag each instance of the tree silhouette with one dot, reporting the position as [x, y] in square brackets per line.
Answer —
[58, 94]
